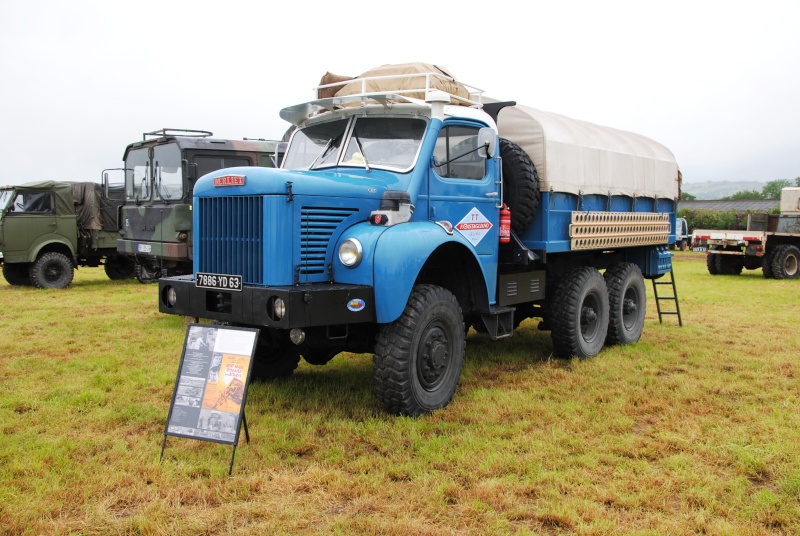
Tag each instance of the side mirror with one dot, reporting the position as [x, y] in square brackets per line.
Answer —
[487, 141]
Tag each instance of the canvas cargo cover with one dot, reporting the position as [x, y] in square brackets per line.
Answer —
[94, 211]
[574, 156]
[403, 79]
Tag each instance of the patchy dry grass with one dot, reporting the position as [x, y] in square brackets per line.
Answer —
[692, 430]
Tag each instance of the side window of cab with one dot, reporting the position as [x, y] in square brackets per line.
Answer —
[33, 203]
[456, 154]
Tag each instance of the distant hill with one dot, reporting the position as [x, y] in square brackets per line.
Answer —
[710, 190]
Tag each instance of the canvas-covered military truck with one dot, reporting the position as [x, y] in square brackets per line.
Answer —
[49, 228]
[771, 243]
[160, 172]
[410, 207]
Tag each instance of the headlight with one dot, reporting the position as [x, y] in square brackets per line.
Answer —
[278, 308]
[170, 296]
[350, 252]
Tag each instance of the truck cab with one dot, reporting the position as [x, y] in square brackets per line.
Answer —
[160, 173]
[683, 238]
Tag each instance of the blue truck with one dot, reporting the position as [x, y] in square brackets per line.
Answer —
[410, 208]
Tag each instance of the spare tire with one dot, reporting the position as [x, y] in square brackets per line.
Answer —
[520, 184]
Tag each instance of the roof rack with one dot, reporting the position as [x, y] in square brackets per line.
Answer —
[177, 132]
[431, 81]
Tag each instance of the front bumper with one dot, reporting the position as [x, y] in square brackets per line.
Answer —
[166, 250]
[307, 305]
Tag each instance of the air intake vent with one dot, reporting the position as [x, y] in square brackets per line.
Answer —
[317, 225]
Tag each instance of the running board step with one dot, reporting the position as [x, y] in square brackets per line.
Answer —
[499, 322]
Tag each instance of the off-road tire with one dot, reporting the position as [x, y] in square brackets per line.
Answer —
[419, 357]
[786, 262]
[17, 274]
[627, 303]
[520, 185]
[120, 268]
[52, 270]
[711, 263]
[580, 311]
[275, 356]
[684, 245]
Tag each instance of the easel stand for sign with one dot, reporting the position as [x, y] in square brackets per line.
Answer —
[230, 469]
[211, 387]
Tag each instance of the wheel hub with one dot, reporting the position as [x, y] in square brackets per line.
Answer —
[588, 315]
[629, 306]
[434, 357]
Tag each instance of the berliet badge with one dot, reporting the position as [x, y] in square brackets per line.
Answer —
[229, 180]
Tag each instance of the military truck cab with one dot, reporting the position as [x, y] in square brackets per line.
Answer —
[160, 173]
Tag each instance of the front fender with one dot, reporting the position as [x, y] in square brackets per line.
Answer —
[399, 255]
[51, 242]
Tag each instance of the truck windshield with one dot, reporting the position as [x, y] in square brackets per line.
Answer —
[137, 174]
[168, 171]
[370, 142]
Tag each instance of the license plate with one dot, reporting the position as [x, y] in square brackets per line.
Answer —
[700, 249]
[219, 281]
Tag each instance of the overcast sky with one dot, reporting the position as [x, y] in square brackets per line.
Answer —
[716, 82]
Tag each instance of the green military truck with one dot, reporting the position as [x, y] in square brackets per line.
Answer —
[49, 228]
[160, 172]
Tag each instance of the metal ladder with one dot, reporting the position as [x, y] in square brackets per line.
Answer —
[667, 298]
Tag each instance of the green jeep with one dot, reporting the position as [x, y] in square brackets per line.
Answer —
[47, 229]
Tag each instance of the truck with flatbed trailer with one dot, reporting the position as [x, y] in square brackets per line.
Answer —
[160, 171]
[410, 207]
[50, 228]
[771, 243]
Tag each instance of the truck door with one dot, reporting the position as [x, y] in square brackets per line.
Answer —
[462, 191]
[30, 218]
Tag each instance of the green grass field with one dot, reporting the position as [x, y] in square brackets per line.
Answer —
[694, 429]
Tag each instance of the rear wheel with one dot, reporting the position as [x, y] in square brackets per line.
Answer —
[579, 322]
[17, 274]
[419, 356]
[118, 268]
[627, 302]
[766, 264]
[711, 263]
[730, 264]
[786, 262]
[52, 270]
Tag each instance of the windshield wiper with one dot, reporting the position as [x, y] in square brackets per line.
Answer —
[325, 150]
[361, 150]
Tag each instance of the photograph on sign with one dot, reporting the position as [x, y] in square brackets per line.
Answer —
[211, 388]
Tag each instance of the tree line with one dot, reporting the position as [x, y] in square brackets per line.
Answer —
[771, 190]
[731, 219]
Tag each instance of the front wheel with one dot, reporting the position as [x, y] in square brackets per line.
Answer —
[275, 356]
[627, 303]
[579, 322]
[52, 270]
[419, 356]
[17, 274]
